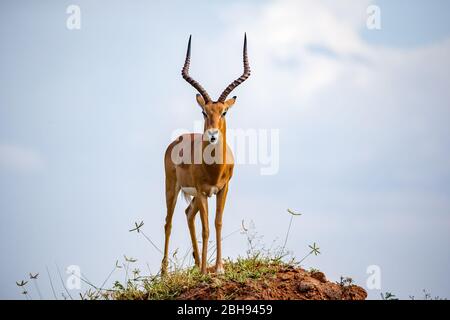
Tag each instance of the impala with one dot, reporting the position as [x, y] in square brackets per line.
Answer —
[209, 173]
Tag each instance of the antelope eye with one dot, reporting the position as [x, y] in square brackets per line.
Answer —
[224, 113]
[204, 114]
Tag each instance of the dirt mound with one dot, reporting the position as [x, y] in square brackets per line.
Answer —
[287, 283]
[254, 277]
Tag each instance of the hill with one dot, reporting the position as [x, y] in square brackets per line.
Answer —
[251, 278]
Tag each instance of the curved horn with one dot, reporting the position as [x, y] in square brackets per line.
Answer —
[192, 82]
[239, 80]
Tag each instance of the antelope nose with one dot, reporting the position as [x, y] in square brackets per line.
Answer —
[213, 135]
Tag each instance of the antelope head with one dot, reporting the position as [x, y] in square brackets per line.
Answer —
[214, 112]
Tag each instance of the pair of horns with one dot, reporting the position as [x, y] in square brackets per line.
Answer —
[231, 86]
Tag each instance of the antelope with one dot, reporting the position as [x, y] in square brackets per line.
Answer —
[202, 178]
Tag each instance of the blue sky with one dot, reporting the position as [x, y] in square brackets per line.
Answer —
[85, 116]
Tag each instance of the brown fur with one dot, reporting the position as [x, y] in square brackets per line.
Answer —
[205, 178]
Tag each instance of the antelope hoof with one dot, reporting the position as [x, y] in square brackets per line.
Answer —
[197, 260]
[220, 269]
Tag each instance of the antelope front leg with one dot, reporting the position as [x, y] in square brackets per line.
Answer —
[202, 202]
[220, 204]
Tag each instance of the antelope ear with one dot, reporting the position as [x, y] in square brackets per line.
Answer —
[200, 100]
[229, 103]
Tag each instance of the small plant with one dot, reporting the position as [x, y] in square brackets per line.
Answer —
[345, 282]
[22, 285]
[51, 283]
[315, 250]
[388, 296]
[137, 228]
[427, 296]
[126, 265]
[33, 278]
[293, 214]
[254, 241]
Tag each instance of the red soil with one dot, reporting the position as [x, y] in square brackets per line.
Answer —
[286, 284]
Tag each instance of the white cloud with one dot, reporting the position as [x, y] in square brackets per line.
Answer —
[298, 47]
[20, 159]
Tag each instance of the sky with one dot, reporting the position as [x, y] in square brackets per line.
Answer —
[361, 114]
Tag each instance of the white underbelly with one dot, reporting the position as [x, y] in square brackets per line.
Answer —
[190, 191]
[213, 190]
